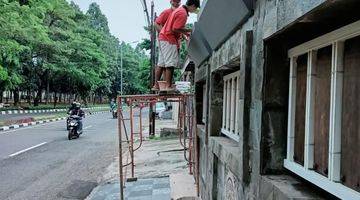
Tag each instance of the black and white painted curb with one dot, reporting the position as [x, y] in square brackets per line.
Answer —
[16, 126]
[10, 112]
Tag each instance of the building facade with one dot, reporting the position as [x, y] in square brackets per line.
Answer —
[276, 89]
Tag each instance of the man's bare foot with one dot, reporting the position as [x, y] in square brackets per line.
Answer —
[170, 88]
[155, 88]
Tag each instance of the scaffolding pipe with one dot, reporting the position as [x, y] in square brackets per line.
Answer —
[184, 120]
[120, 151]
[132, 138]
[140, 131]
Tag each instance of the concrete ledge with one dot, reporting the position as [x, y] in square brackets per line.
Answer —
[286, 187]
[169, 133]
[227, 151]
[201, 133]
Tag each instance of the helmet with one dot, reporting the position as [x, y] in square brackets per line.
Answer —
[78, 105]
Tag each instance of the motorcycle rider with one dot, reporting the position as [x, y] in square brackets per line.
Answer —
[113, 108]
[77, 111]
[113, 104]
[72, 107]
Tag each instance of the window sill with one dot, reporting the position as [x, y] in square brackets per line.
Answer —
[286, 187]
[227, 152]
[230, 135]
[334, 188]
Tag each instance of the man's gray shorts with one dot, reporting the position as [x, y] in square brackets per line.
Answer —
[168, 55]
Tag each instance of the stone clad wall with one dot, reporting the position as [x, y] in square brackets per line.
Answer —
[231, 170]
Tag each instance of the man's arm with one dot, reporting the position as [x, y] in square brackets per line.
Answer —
[160, 20]
[185, 31]
[179, 25]
[158, 27]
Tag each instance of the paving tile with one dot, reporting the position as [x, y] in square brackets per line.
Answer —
[161, 180]
[161, 197]
[161, 185]
[140, 198]
[144, 182]
[140, 193]
[142, 189]
[135, 188]
[161, 191]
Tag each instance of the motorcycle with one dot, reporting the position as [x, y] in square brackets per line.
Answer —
[74, 127]
[114, 113]
[68, 122]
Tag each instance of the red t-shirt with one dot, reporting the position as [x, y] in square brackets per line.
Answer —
[161, 20]
[177, 20]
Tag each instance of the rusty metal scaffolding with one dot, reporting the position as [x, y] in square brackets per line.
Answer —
[186, 131]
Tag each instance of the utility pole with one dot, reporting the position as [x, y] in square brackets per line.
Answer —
[146, 11]
[121, 70]
[152, 70]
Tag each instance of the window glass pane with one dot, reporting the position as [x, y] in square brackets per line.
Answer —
[350, 141]
[300, 109]
[322, 88]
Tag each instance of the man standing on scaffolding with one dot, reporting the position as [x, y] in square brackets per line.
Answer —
[159, 24]
[169, 40]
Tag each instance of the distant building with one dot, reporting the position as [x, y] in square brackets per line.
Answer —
[277, 86]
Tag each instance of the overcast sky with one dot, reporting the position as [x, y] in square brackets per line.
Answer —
[126, 17]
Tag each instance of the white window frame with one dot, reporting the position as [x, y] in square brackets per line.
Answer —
[331, 183]
[231, 105]
[204, 100]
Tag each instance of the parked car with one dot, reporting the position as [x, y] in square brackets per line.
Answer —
[159, 109]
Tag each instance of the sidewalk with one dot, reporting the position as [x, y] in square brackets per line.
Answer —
[160, 169]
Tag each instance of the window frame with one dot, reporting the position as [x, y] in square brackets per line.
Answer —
[204, 100]
[231, 95]
[332, 183]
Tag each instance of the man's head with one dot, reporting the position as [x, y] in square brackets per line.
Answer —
[192, 5]
[175, 3]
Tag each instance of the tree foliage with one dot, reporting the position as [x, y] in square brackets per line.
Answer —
[51, 46]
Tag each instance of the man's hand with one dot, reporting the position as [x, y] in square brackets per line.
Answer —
[158, 27]
[186, 37]
[185, 31]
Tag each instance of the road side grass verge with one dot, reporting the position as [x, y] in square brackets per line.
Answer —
[48, 106]
[35, 118]
[47, 117]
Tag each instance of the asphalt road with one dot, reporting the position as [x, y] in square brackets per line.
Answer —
[41, 163]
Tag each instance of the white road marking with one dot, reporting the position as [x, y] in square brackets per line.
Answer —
[22, 151]
[87, 127]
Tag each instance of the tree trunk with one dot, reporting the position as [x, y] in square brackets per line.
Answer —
[28, 97]
[16, 97]
[7, 97]
[85, 101]
[37, 99]
[1, 96]
[55, 99]
[47, 93]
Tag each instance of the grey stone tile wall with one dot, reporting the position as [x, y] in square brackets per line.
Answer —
[269, 17]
